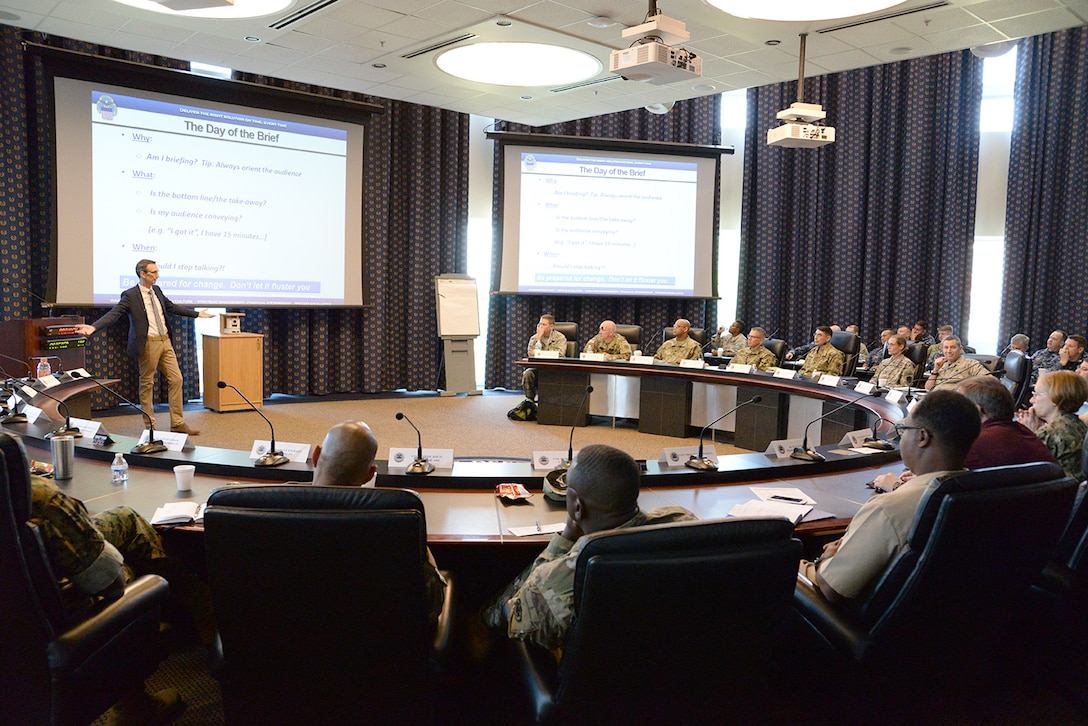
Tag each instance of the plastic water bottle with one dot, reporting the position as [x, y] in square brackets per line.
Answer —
[44, 368]
[119, 469]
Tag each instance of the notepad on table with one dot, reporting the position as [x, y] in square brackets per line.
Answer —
[179, 513]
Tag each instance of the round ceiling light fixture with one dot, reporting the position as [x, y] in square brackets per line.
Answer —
[800, 10]
[518, 64]
[213, 9]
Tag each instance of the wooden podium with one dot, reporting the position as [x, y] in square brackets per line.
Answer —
[238, 359]
[29, 338]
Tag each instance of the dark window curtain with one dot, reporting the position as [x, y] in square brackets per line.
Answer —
[512, 318]
[414, 228]
[1046, 218]
[877, 228]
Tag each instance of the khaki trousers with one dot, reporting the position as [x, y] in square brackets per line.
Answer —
[158, 355]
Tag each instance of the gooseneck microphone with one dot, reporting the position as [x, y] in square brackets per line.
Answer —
[806, 454]
[646, 347]
[45, 304]
[67, 429]
[12, 415]
[420, 465]
[273, 457]
[702, 463]
[875, 442]
[152, 445]
[557, 478]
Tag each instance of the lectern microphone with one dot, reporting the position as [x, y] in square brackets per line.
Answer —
[273, 457]
[420, 465]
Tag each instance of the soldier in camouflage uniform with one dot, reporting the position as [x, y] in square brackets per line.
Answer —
[1053, 417]
[731, 342]
[1048, 358]
[608, 341]
[98, 555]
[602, 494]
[754, 354]
[545, 338]
[897, 369]
[824, 357]
[681, 347]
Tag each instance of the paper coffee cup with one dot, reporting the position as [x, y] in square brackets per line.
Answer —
[184, 475]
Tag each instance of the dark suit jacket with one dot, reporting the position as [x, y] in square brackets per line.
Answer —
[132, 304]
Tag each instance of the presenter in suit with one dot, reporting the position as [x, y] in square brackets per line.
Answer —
[149, 339]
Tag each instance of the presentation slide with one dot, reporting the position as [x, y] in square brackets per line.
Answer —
[582, 222]
[592, 225]
[238, 207]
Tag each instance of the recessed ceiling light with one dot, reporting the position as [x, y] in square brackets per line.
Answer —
[377, 65]
[704, 87]
[799, 10]
[251, 39]
[900, 50]
[237, 9]
[519, 64]
[772, 42]
[211, 71]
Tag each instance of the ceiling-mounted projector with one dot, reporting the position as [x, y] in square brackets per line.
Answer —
[652, 59]
[798, 131]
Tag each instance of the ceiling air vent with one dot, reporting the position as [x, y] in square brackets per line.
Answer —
[438, 46]
[887, 16]
[301, 14]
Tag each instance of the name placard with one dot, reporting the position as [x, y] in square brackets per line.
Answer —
[171, 440]
[298, 453]
[782, 448]
[894, 395]
[738, 368]
[33, 413]
[829, 380]
[688, 363]
[645, 360]
[541, 354]
[599, 357]
[787, 373]
[548, 460]
[864, 387]
[677, 455]
[399, 458]
[49, 381]
[89, 429]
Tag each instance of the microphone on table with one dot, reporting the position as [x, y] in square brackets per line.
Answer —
[875, 442]
[45, 304]
[67, 429]
[420, 465]
[12, 415]
[555, 483]
[804, 453]
[702, 463]
[273, 457]
[152, 445]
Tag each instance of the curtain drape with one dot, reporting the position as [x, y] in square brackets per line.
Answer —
[414, 228]
[512, 318]
[1046, 216]
[877, 228]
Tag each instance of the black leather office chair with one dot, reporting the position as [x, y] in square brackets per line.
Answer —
[319, 599]
[1018, 377]
[570, 330]
[675, 624]
[993, 363]
[944, 607]
[849, 344]
[696, 334]
[918, 354]
[53, 669]
[632, 334]
[778, 347]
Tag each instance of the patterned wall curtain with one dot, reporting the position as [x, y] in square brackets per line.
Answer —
[1046, 219]
[512, 318]
[877, 228]
[414, 227]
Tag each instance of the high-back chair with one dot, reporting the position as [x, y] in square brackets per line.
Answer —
[849, 344]
[674, 624]
[632, 334]
[55, 668]
[943, 608]
[570, 331]
[319, 600]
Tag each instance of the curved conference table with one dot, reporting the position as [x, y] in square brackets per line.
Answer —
[461, 506]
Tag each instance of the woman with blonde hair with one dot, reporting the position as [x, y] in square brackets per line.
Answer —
[1053, 417]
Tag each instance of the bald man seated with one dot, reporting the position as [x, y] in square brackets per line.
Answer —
[345, 458]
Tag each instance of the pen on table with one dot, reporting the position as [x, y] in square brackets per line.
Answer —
[538, 525]
[793, 500]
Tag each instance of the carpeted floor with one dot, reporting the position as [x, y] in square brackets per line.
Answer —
[473, 426]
